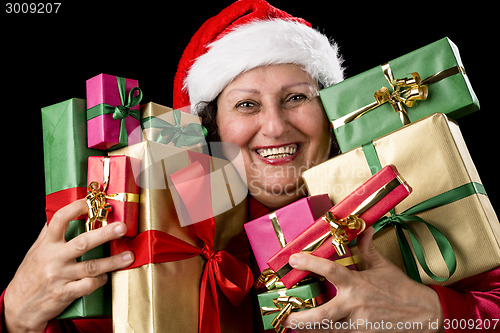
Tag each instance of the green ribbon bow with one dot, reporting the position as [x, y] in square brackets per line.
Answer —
[400, 221]
[188, 135]
[120, 112]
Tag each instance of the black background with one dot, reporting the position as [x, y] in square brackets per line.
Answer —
[46, 58]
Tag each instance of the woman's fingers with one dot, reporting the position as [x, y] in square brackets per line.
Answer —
[97, 267]
[89, 240]
[333, 272]
[58, 225]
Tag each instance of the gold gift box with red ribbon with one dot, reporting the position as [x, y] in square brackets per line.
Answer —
[188, 274]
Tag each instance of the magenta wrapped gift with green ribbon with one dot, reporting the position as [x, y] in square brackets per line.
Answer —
[429, 80]
[113, 116]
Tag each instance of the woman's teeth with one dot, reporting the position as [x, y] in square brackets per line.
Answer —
[279, 152]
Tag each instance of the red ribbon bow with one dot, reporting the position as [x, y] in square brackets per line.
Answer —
[233, 277]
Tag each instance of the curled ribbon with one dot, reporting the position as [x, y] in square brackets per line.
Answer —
[405, 93]
[188, 135]
[284, 306]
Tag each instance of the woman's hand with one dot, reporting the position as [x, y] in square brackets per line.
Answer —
[381, 296]
[50, 278]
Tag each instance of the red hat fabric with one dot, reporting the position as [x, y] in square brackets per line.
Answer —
[217, 53]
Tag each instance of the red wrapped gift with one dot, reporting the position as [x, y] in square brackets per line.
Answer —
[113, 192]
[344, 222]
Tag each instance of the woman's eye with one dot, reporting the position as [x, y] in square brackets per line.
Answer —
[245, 104]
[297, 98]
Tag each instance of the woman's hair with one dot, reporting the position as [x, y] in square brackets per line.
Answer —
[208, 113]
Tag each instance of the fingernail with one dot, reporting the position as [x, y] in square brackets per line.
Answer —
[120, 229]
[294, 260]
[127, 256]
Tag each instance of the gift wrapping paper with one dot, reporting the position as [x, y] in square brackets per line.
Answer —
[362, 207]
[450, 93]
[113, 112]
[65, 156]
[269, 233]
[432, 156]
[166, 125]
[114, 178]
[308, 296]
[162, 291]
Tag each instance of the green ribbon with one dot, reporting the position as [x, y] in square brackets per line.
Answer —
[120, 112]
[400, 222]
[188, 135]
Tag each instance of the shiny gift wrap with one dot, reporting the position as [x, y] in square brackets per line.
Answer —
[344, 222]
[437, 83]
[178, 272]
[65, 156]
[113, 112]
[269, 233]
[276, 305]
[113, 192]
[433, 157]
[166, 125]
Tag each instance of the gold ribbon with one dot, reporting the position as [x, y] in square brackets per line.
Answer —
[98, 207]
[284, 306]
[277, 229]
[405, 93]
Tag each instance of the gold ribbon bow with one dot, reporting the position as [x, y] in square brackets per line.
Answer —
[98, 207]
[284, 306]
[338, 228]
[405, 92]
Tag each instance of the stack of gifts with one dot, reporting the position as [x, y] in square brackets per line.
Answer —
[184, 210]
[404, 170]
[439, 234]
[387, 121]
[312, 225]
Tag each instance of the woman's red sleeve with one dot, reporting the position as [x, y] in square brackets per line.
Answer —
[473, 304]
[101, 325]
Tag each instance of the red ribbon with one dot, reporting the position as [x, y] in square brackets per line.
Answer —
[233, 277]
[59, 199]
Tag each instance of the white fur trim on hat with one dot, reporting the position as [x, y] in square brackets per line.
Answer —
[261, 43]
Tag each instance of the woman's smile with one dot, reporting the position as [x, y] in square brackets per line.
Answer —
[274, 115]
[278, 154]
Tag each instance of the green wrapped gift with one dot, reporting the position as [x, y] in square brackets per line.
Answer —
[376, 102]
[276, 305]
[65, 159]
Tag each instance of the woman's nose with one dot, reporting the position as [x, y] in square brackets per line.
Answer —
[273, 121]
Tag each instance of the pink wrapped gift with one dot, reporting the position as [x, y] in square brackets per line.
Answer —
[269, 233]
[113, 116]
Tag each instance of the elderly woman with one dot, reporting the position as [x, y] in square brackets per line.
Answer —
[252, 73]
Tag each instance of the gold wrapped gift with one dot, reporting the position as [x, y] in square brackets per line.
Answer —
[165, 297]
[433, 158]
[164, 125]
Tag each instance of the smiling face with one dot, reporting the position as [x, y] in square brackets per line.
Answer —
[274, 115]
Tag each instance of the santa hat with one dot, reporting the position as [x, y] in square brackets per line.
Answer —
[245, 35]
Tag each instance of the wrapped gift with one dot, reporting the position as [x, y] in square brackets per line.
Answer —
[171, 287]
[65, 156]
[113, 193]
[165, 125]
[276, 305]
[437, 83]
[448, 201]
[113, 112]
[269, 233]
[344, 222]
